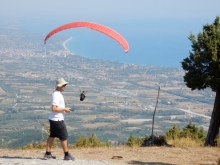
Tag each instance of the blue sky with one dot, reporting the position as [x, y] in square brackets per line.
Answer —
[110, 10]
[158, 23]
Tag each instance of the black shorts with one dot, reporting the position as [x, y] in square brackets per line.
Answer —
[58, 129]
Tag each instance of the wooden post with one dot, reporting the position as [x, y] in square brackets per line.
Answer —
[152, 134]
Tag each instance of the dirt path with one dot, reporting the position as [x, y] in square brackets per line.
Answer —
[127, 155]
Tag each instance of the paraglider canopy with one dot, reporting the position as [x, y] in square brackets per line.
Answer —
[100, 28]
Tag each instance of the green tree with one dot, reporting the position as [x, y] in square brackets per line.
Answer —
[193, 132]
[202, 70]
[173, 133]
[189, 131]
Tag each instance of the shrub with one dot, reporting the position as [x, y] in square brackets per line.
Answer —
[193, 132]
[173, 133]
[136, 141]
[38, 145]
[189, 136]
[91, 141]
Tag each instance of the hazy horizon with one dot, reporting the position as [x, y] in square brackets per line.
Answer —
[156, 29]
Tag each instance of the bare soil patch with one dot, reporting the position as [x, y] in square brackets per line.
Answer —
[132, 155]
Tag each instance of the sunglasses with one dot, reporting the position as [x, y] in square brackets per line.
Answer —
[64, 85]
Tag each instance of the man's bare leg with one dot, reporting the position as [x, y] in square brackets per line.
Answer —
[64, 145]
[49, 144]
[65, 150]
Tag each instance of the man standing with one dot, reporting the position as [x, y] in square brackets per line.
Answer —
[56, 119]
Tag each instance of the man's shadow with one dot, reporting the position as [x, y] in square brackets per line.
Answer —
[15, 157]
[19, 157]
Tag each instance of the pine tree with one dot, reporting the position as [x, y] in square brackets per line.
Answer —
[202, 70]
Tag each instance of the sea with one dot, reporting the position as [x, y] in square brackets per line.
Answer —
[163, 47]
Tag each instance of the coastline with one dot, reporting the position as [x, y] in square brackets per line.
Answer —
[64, 44]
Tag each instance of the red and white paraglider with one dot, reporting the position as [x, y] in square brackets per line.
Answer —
[100, 28]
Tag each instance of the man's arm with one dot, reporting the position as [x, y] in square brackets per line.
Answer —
[57, 109]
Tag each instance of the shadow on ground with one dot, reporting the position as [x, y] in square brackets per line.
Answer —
[15, 157]
[148, 163]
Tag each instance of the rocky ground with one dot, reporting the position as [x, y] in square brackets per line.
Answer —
[116, 155]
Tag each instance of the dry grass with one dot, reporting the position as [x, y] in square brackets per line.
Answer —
[185, 143]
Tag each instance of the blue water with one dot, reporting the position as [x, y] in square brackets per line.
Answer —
[149, 43]
[150, 49]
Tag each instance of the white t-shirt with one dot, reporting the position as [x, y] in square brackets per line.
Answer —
[58, 100]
